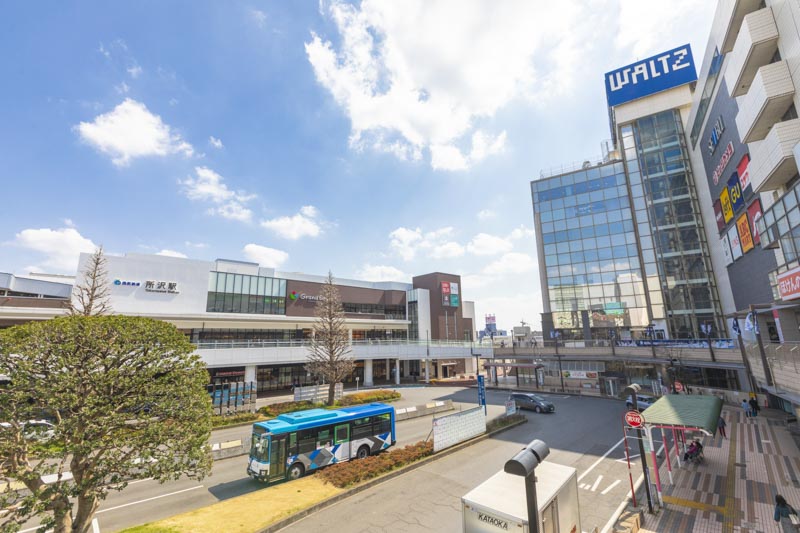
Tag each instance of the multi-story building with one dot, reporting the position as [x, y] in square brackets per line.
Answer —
[252, 323]
[622, 251]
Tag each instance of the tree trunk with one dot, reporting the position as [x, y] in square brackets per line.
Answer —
[62, 515]
[331, 393]
[87, 506]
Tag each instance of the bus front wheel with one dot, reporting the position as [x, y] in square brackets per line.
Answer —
[296, 471]
[363, 452]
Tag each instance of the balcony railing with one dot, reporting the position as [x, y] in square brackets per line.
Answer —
[772, 160]
[768, 99]
[754, 48]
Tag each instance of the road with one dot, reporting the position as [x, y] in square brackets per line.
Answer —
[580, 433]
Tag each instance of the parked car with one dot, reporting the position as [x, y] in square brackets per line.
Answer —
[525, 400]
[40, 430]
[642, 400]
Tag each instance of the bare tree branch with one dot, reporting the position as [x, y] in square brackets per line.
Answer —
[91, 294]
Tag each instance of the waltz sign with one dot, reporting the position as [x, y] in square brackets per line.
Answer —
[789, 284]
[649, 76]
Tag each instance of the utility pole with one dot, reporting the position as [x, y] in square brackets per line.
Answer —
[767, 372]
[634, 388]
[706, 328]
[555, 334]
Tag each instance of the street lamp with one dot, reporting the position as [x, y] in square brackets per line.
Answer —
[524, 464]
[555, 335]
[634, 389]
[705, 327]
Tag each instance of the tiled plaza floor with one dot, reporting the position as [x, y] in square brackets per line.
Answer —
[734, 488]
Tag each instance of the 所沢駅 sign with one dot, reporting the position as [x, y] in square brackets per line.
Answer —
[649, 76]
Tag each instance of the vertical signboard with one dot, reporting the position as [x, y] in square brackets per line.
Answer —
[735, 191]
[726, 249]
[719, 216]
[743, 169]
[446, 293]
[754, 212]
[725, 201]
[736, 246]
[482, 392]
[745, 237]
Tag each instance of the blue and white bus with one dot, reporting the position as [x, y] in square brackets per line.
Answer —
[295, 443]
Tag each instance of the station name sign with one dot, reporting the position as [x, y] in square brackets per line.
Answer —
[649, 76]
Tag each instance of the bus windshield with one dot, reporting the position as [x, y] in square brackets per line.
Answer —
[259, 449]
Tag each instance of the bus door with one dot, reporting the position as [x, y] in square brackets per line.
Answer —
[277, 457]
[341, 437]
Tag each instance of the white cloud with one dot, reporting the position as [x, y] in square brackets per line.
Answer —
[381, 273]
[264, 256]
[216, 143]
[69, 223]
[61, 247]
[303, 224]
[190, 244]
[428, 74]
[259, 17]
[129, 131]
[486, 214]
[122, 88]
[485, 244]
[405, 242]
[511, 263]
[209, 186]
[171, 253]
[522, 232]
[134, 71]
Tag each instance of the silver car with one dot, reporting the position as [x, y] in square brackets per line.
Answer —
[526, 400]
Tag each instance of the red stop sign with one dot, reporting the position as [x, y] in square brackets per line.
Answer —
[678, 386]
[634, 419]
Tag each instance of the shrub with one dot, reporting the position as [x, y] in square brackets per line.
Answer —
[381, 395]
[504, 421]
[276, 409]
[343, 475]
[225, 420]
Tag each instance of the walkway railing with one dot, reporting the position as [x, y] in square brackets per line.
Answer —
[301, 343]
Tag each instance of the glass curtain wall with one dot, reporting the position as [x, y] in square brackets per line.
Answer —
[681, 286]
[591, 258]
[240, 293]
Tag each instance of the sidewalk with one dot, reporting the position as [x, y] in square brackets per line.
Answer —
[735, 488]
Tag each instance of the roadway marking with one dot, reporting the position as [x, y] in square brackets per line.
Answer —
[146, 500]
[694, 505]
[597, 482]
[617, 482]
[614, 447]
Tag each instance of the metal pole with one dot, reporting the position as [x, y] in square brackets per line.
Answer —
[746, 360]
[666, 449]
[560, 370]
[710, 348]
[628, 458]
[757, 331]
[427, 355]
[642, 455]
[533, 506]
[655, 464]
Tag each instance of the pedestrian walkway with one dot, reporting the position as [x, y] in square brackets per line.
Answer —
[734, 488]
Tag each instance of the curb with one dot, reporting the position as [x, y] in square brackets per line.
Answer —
[378, 480]
[558, 393]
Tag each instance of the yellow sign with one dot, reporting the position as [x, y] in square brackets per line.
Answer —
[727, 209]
[745, 237]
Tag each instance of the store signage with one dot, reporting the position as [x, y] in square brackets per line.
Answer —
[736, 245]
[743, 169]
[723, 162]
[746, 238]
[716, 133]
[789, 284]
[754, 212]
[726, 249]
[649, 76]
[126, 283]
[719, 216]
[450, 296]
[294, 296]
[167, 287]
[725, 202]
[735, 190]
[579, 374]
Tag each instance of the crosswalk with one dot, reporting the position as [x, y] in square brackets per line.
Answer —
[597, 483]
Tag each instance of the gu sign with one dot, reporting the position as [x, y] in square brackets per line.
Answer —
[650, 76]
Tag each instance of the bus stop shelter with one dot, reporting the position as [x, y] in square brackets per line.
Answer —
[679, 413]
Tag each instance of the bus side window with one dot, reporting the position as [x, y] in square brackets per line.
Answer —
[292, 444]
[362, 428]
[382, 424]
[324, 437]
[306, 441]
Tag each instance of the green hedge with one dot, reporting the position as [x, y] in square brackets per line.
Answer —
[358, 398]
[238, 418]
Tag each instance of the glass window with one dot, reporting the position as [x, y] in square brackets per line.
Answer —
[212, 282]
[229, 283]
[246, 284]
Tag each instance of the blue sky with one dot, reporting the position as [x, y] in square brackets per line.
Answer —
[378, 140]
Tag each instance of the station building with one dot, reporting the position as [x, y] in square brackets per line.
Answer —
[254, 324]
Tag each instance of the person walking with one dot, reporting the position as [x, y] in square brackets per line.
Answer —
[753, 407]
[785, 515]
[746, 409]
[721, 427]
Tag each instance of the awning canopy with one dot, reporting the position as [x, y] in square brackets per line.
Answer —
[682, 411]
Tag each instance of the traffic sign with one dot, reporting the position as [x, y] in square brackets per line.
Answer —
[634, 419]
[678, 386]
